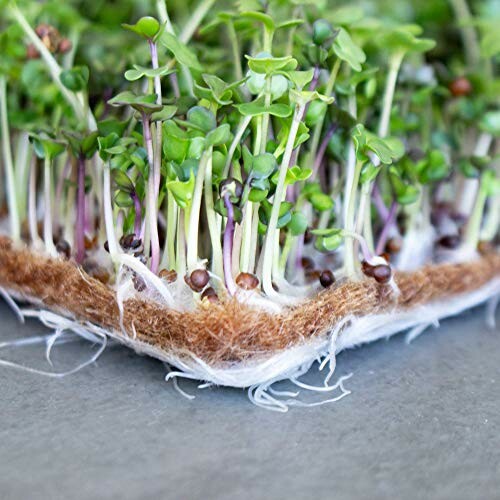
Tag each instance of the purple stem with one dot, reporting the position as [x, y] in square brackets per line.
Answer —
[152, 198]
[228, 246]
[174, 82]
[389, 222]
[80, 212]
[379, 203]
[322, 150]
[138, 214]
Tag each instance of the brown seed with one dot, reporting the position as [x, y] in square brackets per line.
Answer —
[247, 281]
[90, 242]
[31, 52]
[65, 46]
[64, 248]
[106, 246]
[168, 275]
[129, 242]
[308, 237]
[393, 245]
[49, 35]
[312, 275]
[139, 283]
[307, 263]
[450, 241]
[382, 273]
[210, 294]
[386, 256]
[368, 269]
[485, 247]
[276, 288]
[460, 87]
[326, 278]
[198, 280]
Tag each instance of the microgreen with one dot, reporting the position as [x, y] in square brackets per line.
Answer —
[284, 131]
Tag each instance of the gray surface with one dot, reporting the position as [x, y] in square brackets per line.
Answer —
[422, 422]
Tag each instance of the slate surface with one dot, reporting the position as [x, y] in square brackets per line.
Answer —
[423, 421]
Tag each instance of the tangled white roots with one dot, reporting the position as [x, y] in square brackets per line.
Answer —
[260, 376]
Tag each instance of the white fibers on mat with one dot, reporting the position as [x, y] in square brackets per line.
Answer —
[259, 376]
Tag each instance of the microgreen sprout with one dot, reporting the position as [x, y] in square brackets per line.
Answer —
[286, 148]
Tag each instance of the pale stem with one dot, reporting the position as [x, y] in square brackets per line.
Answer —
[15, 225]
[47, 219]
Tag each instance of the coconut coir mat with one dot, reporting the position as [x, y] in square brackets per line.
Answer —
[228, 331]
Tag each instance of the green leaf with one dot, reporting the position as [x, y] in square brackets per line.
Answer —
[46, 146]
[142, 103]
[322, 31]
[182, 191]
[76, 78]
[258, 107]
[345, 49]
[147, 27]
[490, 123]
[321, 201]
[202, 118]
[263, 165]
[123, 199]
[265, 19]
[298, 224]
[265, 64]
[256, 84]
[328, 240]
[180, 51]
[403, 40]
[122, 180]
[220, 135]
[490, 183]
[141, 71]
[164, 114]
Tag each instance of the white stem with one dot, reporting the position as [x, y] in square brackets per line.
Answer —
[47, 216]
[269, 246]
[15, 225]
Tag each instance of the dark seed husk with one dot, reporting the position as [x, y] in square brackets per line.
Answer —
[308, 237]
[198, 280]
[139, 283]
[367, 269]
[210, 294]
[130, 242]
[247, 281]
[450, 241]
[326, 278]
[382, 273]
[168, 275]
[307, 263]
[106, 246]
[312, 275]
[63, 248]
[393, 245]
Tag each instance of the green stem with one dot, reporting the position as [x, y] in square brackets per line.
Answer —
[469, 35]
[473, 227]
[269, 244]
[213, 228]
[319, 126]
[390, 87]
[54, 68]
[15, 225]
[195, 20]
[350, 259]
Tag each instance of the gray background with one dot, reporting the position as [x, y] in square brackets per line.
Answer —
[422, 422]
